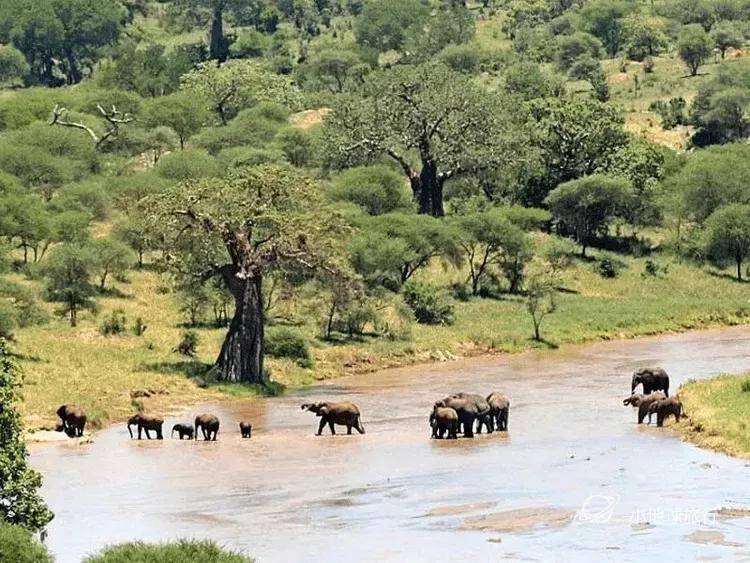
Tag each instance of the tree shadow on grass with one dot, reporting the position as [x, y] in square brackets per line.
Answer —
[114, 292]
[726, 276]
[544, 343]
[188, 368]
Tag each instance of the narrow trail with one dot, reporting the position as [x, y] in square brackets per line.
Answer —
[395, 495]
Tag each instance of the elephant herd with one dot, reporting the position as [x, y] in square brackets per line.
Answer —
[455, 414]
[655, 398]
[458, 413]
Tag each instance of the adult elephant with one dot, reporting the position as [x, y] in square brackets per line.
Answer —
[208, 424]
[343, 414]
[148, 423]
[652, 379]
[470, 408]
[73, 420]
[499, 410]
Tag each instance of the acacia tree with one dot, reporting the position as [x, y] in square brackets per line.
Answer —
[20, 502]
[694, 47]
[727, 236]
[241, 229]
[435, 123]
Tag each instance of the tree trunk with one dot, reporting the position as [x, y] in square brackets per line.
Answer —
[739, 269]
[241, 356]
[216, 47]
[428, 190]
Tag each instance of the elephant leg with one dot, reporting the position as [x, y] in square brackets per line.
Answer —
[659, 419]
[216, 433]
[331, 426]
[469, 429]
[159, 435]
[140, 430]
[321, 426]
[349, 429]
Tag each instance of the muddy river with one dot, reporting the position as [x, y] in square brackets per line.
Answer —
[575, 478]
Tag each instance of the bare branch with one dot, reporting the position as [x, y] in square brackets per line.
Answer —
[60, 117]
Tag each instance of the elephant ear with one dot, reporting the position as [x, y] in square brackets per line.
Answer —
[323, 408]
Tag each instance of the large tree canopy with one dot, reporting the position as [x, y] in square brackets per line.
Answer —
[241, 229]
[435, 123]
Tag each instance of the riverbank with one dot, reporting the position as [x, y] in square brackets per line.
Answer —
[718, 412]
[106, 373]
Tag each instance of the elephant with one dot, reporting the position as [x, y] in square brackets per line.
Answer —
[643, 402]
[469, 408]
[652, 379]
[499, 410]
[208, 424]
[147, 423]
[184, 430]
[73, 420]
[343, 414]
[246, 429]
[664, 408]
[444, 420]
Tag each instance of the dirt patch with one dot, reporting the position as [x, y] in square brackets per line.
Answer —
[308, 118]
[455, 509]
[706, 537]
[519, 520]
[50, 436]
[725, 513]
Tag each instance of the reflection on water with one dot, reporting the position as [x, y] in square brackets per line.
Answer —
[286, 495]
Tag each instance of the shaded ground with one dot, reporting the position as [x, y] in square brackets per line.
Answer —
[393, 494]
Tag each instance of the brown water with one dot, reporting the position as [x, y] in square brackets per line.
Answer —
[395, 495]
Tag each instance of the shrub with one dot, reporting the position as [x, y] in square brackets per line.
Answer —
[139, 328]
[188, 345]
[287, 343]
[745, 386]
[376, 189]
[461, 58]
[114, 324]
[18, 545]
[430, 304]
[182, 551]
[187, 165]
[654, 269]
[609, 267]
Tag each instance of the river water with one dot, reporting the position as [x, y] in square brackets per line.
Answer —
[637, 492]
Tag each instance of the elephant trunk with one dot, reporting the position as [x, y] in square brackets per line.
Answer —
[634, 385]
[130, 431]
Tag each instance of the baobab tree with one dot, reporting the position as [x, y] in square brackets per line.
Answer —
[240, 229]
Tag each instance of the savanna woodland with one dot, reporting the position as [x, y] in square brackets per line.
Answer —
[205, 197]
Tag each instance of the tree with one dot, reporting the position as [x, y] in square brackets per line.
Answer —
[451, 24]
[13, 65]
[585, 206]
[242, 228]
[383, 25]
[570, 48]
[727, 236]
[694, 47]
[218, 45]
[391, 248]
[644, 36]
[68, 271]
[113, 119]
[726, 35]
[575, 137]
[604, 19]
[20, 501]
[540, 300]
[587, 68]
[453, 128]
[490, 239]
[109, 256]
[182, 112]
[62, 35]
[133, 231]
[237, 85]
[332, 67]
[376, 189]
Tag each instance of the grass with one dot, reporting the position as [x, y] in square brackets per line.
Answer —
[719, 413]
[181, 551]
[80, 365]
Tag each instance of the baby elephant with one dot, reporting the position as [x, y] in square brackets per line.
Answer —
[643, 402]
[73, 420]
[184, 430]
[444, 420]
[246, 429]
[147, 422]
[208, 424]
[664, 408]
[343, 414]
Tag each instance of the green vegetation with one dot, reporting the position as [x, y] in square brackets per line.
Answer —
[718, 411]
[18, 545]
[182, 551]
[358, 185]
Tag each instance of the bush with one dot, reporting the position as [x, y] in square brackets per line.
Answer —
[461, 58]
[287, 343]
[188, 346]
[18, 545]
[609, 267]
[189, 164]
[654, 269]
[376, 189]
[430, 304]
[182, 551]
[114, 324]
[745, 386]
[139, 328]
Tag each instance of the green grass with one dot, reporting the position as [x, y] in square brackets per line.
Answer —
[719, 413]
[79, 365]
[182, 551]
